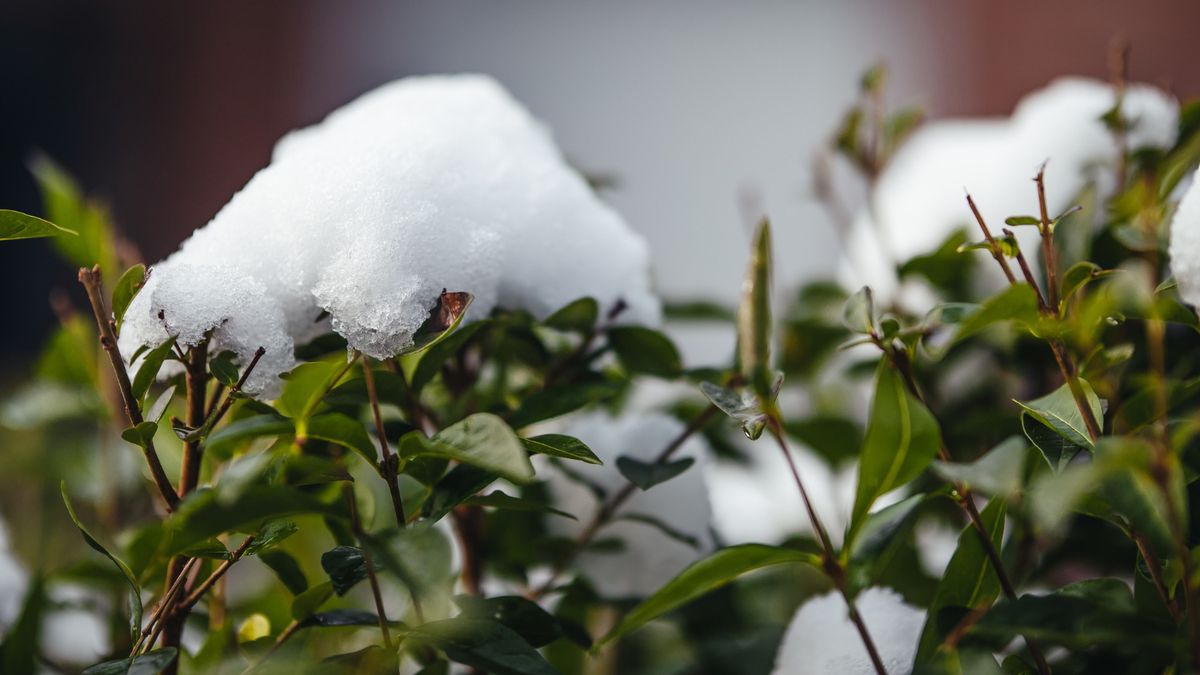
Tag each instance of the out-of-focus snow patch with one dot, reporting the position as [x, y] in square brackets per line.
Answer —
[14, 582]
[821, 639]
[935, 543]
[1185, 245]
[75, 633]
[423, 184]
[919, 202]
[648, 558]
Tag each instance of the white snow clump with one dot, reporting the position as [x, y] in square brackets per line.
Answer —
[1185, 245]
[648, 558]
[821, 639]
[918, 201]
[424, 184]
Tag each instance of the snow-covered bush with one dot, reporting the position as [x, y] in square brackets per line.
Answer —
[399, 409]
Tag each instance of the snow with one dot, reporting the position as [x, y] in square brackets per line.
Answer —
[821, 639]
[648, 558]
[424, 184]
[1185, 245]
[14, 582]
[919, 200]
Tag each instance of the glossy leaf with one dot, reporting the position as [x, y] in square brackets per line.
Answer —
[144, 664]
[646, 475]
[1058, 412]
[482, 440]
[705, 576]
[345, 566]
[560, 445]
[17, 225]
[126, 288]
[133, 595]
[149, 367]
[344, 431]
[499, 500]
[486, 645]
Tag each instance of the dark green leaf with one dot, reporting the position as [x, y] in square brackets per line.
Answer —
[345, 566]
[341, 617]
[150, 365]
[902, 438]
[157, 409]
[499, 500]
[579, 316]
[483, 440]
[969, 580]
[462, 482]
[645, 351]
[341, 430]
[270, 535]
[224, 440]
[559, 445]
[1017, 303]
[286, 569]
[201, 515]
[1058, 412]
[19, 650]
[881, 528]
[562, 399]
[432, 359]
[223, 368]
[142, 435]
[145, 664]
[487, 645]
[534, 624]
[646, 475]
[705, 576]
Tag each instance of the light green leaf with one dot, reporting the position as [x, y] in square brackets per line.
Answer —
[998, 473]
[17, 225]
[703, 577]
[902, 438]
[1017, 303]
[126, 289]
[1058, 412]
[482, 440]
[150, 365]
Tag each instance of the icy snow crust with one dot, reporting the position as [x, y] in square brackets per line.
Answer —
[648, 559]
[919, 199]
[821, 639]
[423, 184]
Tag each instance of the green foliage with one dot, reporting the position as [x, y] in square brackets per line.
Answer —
[17, 225]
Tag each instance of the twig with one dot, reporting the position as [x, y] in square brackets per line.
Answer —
[196, 383]
[90, 278]
[193, 597]
[1049, 255]
[388, 464]
[833, 566]
[215, 416]
[607, 510]
[368, 562]
[154, 626]
[993, 245]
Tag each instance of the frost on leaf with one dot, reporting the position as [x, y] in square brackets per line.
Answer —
[360, 221]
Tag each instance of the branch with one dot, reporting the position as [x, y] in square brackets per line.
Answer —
[198, 593]
[1049, 256]
[90, 278]
[388, 463]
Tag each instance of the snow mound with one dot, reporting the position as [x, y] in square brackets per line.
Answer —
[919, 202]
[1185, 245]
[821, 639]
[648, 558]
[424, 184]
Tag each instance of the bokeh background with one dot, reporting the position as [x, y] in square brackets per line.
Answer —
[706, 113]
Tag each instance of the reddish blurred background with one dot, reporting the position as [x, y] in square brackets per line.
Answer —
[167, 108]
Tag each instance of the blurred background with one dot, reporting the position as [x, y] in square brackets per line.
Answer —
[706, 114]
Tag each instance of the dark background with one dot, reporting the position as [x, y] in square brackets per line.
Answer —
[165, 109]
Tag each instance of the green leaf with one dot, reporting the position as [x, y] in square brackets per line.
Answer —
[645, 351]
[133, 595]
[270, 535]
[561, 399]
[156, 410]
[65, 205]
[420, 556]
[445, 316]
[705, 576]
[201, 515]
[145, 664]
[223, 368]
[742, 406]
[1058, 412]
[482, 440]
[578, 316]
[1022, 220]
[754, 325]
[345, 566]
[142, 435]
[127, 287]
[344, 431]
[1128, 484]
[431, 360]
[499, 500]
[150, 365]
[646, 475]
[902, 438]
[306, 384]
[341, 617]
[307, 603]
[559, 445]
[462, 482]
[998, 473]
[1017, 303]
[1076, 277]
[286, 569]
[487, 645]
[534, 624]
[19, 650]
[17, 225]
[859, 313]
[881, 528]
[969, 580]
[222, 441]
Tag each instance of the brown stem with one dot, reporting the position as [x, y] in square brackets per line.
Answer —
[90, 278]
[368, 562]
[1156, 575]
[963, 496]
[609, 508]
[1028, 274]
[993, 245]
[388, 464]
[198, 593]
[196, 383]
[1049, 254]
[215, 416]
[164, 605]
[468, 525]
[833, 566]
